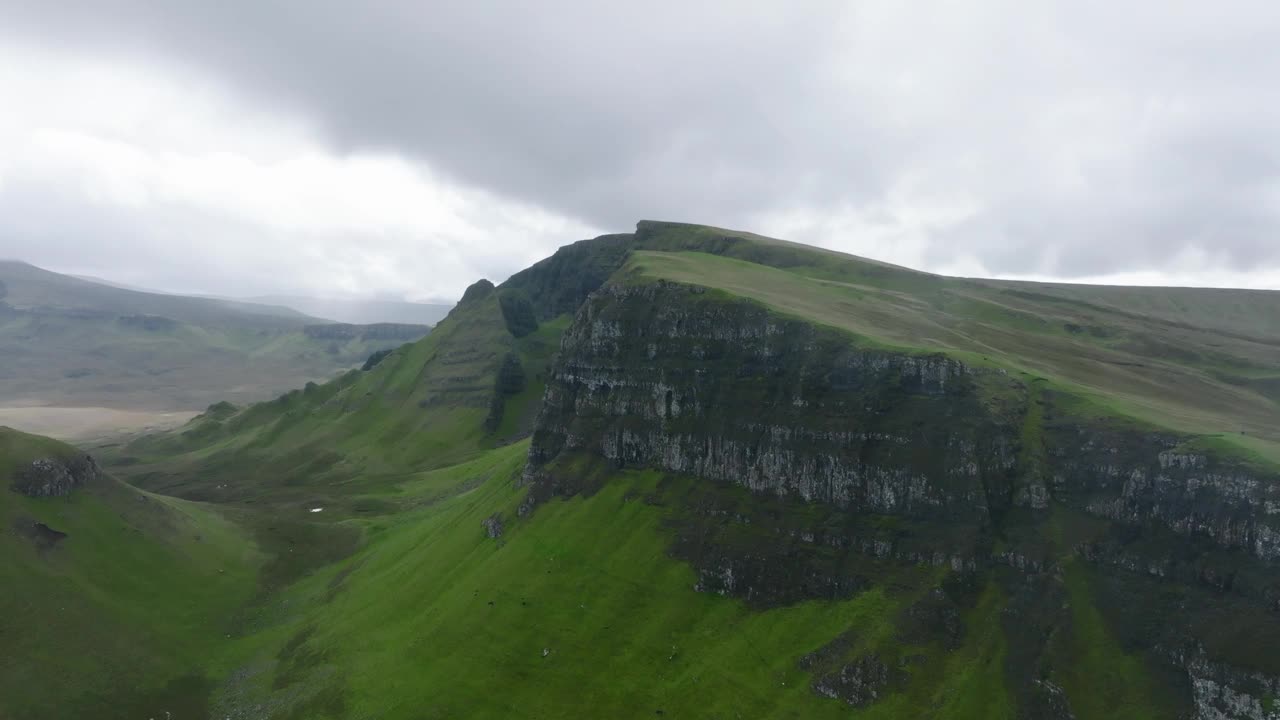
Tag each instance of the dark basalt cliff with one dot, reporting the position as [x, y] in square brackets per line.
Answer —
[856, 458]
[663, 376]
[1144, 477]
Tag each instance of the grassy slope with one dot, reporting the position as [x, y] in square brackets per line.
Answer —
[120, 618]
[1192, 376]
[579, 610]
[1251, 313]
[432, 617]
[421, 407]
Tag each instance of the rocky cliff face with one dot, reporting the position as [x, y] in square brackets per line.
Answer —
[1135, 477]
[833, 437]
[667, 376]
[55, 476]
[663, 376]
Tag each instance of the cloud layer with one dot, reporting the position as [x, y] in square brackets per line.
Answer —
[1066, 140]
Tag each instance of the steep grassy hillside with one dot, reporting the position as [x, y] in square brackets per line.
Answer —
[691, 472]
[583, 610]
[425, 405]
[70, 342]
[579, 611]
[114, 600]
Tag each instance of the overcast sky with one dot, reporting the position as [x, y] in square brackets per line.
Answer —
[408, 148]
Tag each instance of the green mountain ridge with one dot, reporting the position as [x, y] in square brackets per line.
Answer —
[691, 472]
[72, 342]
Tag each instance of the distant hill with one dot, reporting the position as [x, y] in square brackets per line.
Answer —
[359, 311]
[76, 342]
[25, 286]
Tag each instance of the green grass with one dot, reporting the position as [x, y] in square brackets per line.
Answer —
[19, 449]
[1101, 679]
[121, 618]
[1144, 366]
[1251, 313]
[434, 619]
[422, 407]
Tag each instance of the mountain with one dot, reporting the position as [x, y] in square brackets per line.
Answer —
[361, 312]
[72, 342]
[693, 472]
[355, 311]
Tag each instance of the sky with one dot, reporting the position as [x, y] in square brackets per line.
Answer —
[404, 149]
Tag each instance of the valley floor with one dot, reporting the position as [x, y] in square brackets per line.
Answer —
[88, 425]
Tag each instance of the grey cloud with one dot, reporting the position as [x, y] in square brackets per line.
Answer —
[178, 247]
[1163, 113]
[605, 111]
[1218, 194]
[59, 230]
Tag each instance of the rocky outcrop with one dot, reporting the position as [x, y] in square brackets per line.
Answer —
[663, 376]
[42, 536]
[1136, 476]
[843, 672]
[857, 683]
[493, 526]
[477, 290]
[55, 476]
[374, 358]
[559, 284]
[1221, 692]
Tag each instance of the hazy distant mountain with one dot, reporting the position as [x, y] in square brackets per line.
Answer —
[360, 311]
[71, 341]
[29, 287]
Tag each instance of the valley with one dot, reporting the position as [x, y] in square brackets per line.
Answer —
[687, 472]
[90, 424]
[81, 359]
